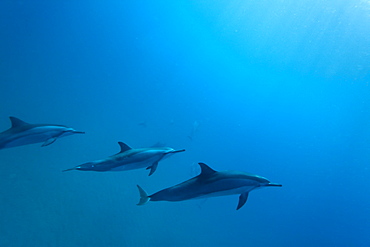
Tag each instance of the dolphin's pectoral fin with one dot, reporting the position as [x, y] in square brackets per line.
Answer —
[152, 168]
[49, 141]
[242, 200]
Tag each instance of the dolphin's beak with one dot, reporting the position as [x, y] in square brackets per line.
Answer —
[272, 184]
[178, 151]
[78, 132]
[70, 169]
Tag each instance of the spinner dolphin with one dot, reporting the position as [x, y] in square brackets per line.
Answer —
[210, 183]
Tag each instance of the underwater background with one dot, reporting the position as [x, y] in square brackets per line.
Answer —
[274, 88]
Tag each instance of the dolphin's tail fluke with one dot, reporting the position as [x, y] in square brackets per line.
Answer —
[144, 198]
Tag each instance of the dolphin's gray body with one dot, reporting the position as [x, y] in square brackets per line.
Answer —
[22, 133]
[210, 183]
[129, 159]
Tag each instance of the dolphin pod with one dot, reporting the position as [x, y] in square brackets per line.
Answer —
[209, 183]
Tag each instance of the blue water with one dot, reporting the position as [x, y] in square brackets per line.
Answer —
[275, 88]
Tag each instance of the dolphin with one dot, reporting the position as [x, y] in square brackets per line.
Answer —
[129, 159]
[22, 133]
[210, 183]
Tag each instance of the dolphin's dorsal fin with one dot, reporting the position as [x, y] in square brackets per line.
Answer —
[206, 170]
[124, 147]
[16, 122]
